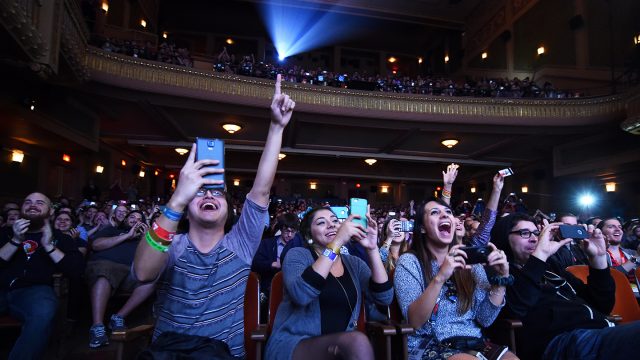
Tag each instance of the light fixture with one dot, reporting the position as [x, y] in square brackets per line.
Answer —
[231, 128]
[32, 107]
[610, 186]
[141, 173]
[165, 34]
[384, 189]
[155, 173]
[99, 169]
[171, 176]
[358, 185]
[181, 151]
[123, 162]
[313, 185]
[449, 143]
[143, 23]
[230, 41]
[281, 156]
[391, 59]
[66, 158]
[370, 161]
[484, 55]
[105, 6]
[473, 189]
[636, 39]
[541, 50]
[446, 59]
[17, 156]
[524, 189]
[420, 60]
[586, 200]
[236, 182]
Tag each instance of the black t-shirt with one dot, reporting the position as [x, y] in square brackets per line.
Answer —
[122, 253]
[337, 301]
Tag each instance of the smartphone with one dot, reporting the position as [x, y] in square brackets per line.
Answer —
[573, 232]
[211, 149]
[476, 254]
[359, 207]
[341, 211]
[506, 172]
[406, 225]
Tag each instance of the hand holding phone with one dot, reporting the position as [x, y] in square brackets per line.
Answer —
[573, 232]
[211, 149]
[476, 254]
[359, 207]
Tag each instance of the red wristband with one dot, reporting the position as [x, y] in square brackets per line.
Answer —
[162, 233]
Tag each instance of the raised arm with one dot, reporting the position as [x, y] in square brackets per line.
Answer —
[483, 234]
[281, 111]
[448, 178]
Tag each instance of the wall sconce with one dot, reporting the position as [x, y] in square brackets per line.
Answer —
[230, 41]
[420, 60]
[392, 59]
[123, 162]
[236, 182]
[636, 39]
[610, 186]
[17, 156]
[281, 156]
[541, 50]
[446, 59]
[473, 189]
[231, 128]
[141, 173]
[165, 34]
[66, 158]
[143, 23]
[156, 173]
[370, 161]
[384, 189]
[313, 185]
[484, 55]
[99, 169]
[105, 6]
[449, 143]
[524, 189]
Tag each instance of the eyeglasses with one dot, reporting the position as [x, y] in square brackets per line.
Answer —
[215, 193]
[525, 234]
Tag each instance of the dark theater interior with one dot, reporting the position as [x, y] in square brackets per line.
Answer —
[101, 101]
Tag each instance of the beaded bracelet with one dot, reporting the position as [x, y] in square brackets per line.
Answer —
[154, 245]
[171, 214]
[501, 280]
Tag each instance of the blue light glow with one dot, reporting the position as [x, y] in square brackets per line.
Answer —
[587, 200]
[294, 30]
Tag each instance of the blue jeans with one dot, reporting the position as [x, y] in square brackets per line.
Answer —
[620, 342]
[35, 306]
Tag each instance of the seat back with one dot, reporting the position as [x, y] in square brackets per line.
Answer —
[251, 313]
[626, 304]
[275, 298]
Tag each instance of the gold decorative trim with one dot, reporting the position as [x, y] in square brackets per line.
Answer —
[159, 75]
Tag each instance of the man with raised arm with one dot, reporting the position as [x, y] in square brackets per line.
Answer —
[203, 273]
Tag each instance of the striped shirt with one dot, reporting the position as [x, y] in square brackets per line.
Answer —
[203, 294]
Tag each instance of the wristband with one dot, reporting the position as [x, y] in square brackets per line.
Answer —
[446, 193]
[162, 233]
[330, 254]
[50, 251]
[501, 280]
[154, 245]
[15, 243]
[157, 239]
[171, 214]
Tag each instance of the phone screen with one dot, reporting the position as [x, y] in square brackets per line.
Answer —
[359, 207]
[211, 149]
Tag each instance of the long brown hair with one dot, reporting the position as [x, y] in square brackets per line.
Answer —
[463, 278]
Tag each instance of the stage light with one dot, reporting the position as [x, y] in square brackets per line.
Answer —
[586, 200]
[17, 156]
[99, 169]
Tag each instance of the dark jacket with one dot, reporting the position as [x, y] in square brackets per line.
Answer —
[548, 308]
[37, 268]
[268, 253]
[567, 256]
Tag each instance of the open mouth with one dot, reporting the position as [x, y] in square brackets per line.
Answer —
[208, 206]
[444, 228]
[330, 234]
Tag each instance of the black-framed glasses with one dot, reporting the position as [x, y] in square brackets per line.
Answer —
[525, 233]
[215, 193]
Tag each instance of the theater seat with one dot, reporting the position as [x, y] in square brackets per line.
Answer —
[626, 305]
[255, 334]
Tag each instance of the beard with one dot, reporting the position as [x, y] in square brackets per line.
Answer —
[36, 221]
[615, 242]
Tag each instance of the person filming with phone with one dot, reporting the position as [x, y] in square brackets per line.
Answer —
[202, 275]
[444, 292]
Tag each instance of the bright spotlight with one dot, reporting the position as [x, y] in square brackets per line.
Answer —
[281, 57]
[586, 200]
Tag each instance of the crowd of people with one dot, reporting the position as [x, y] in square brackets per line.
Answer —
[452, 271]
[166, 52]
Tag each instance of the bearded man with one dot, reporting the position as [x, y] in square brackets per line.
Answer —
[30, 253]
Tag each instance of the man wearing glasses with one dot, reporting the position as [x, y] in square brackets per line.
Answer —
[562, 317]
[202, 274]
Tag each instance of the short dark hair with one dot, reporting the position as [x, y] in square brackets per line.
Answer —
[288, 220]
[502, 228]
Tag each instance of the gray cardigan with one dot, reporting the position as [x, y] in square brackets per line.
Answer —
[298, 315]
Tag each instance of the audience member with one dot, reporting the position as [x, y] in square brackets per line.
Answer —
[203, 273]
[562, 317]
[30, 253]
[443, 298]
[569, 254]
[617, 257]
[324, 290]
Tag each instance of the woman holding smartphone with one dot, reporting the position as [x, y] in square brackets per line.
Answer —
[445, 299]
[324, 290]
